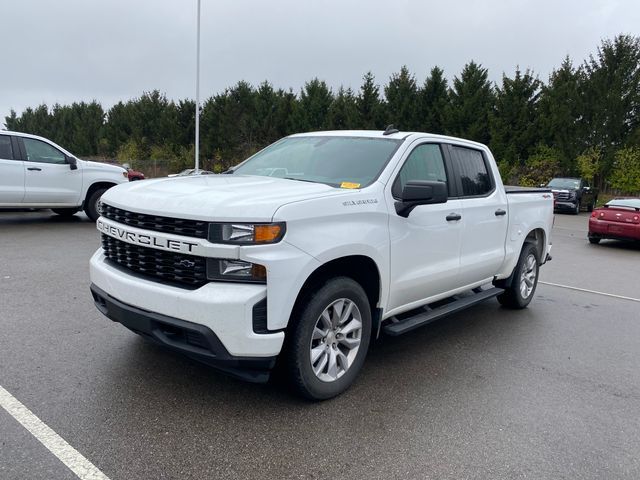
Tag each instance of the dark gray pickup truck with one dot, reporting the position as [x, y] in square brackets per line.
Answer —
[573, 194]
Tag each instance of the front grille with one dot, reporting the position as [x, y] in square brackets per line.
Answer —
[178, 226]
[562, 196]
[178, 268]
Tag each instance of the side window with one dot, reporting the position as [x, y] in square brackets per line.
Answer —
[6, 152]
[474, 174]
[38, 151]
[425, 162]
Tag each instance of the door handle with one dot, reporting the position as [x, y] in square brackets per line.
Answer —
[453, 217]
[500, 212]
[34, 169]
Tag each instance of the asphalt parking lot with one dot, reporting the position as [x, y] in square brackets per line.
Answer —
[550, 392]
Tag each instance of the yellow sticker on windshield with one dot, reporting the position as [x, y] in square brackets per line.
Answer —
[349, 185]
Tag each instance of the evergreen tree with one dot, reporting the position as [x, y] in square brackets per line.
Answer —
[561, 114]
[514, 121]
[434, 97]
[343, 113]
[472, 99]
[313, 107]
[402, 100]
[369, 104]
[612, 94]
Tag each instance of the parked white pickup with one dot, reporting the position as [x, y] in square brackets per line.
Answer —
[37, 173]
[314, 246]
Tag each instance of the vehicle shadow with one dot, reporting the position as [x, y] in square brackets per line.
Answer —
[24, 217]
[628, 245]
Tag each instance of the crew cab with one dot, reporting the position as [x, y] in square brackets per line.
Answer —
[37, 173]
[313, 247]
[573, 194]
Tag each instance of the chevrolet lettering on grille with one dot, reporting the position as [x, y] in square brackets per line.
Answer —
[145, 239]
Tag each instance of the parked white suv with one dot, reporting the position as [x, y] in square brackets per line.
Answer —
[314, 246]
[37, 173]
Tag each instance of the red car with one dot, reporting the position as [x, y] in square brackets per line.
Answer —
[619, 219]
[134, 174]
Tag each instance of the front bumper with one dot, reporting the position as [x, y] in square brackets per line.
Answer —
[224, 308]
[195, 341]
[568, 205]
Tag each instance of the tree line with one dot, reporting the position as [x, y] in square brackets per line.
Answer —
[585, 120]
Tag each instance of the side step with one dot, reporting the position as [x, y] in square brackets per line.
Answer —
[428, 315]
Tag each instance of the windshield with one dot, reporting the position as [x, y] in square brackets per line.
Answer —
[348, 162]
[564, 183]
[624, 202]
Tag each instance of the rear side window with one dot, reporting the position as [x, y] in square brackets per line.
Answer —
[38, 151]
[474, 174]
[6, 152]
[425, 162]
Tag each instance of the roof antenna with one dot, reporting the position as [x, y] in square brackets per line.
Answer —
[390, 130]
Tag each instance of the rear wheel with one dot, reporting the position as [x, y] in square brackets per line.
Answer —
[329, 339]
[525, 279]
[594, 240]
[65, 212]
[91, 205]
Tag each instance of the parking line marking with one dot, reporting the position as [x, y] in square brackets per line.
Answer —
[83, 468]
[591, 291]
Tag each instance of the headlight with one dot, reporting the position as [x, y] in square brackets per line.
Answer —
[246, 233]
[235, 271]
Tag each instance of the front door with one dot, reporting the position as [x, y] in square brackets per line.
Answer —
[11, 174]
[425, 246]
[48, 178]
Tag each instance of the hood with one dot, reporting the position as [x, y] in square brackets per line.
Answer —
[103, 166]
[215, 197]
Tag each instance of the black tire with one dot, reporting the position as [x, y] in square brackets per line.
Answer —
[590, 207]
[65, 212]
[91, 204]
[513, 296]
[576, 210]
[300, 339]
[594, 240]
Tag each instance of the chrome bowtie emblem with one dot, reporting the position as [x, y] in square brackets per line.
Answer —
[186, 263]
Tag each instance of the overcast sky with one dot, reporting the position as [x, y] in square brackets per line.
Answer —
[109, 50]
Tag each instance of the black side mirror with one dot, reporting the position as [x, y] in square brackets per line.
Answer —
[586, 189]
[420, 192]
[73, 162]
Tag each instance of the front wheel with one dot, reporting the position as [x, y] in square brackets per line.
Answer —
[576, 210]
[328, 339]
[594, 240]
[91, 205]
[525, 279]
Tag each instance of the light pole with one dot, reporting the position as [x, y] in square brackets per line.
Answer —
[198, 90]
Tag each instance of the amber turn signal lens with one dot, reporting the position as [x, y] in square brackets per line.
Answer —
[258, 272]
[266, 233]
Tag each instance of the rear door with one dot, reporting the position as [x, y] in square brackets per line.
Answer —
[11, 172]
[484, 215]
[48, 177]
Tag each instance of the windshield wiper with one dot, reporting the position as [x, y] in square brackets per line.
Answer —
[299, 179]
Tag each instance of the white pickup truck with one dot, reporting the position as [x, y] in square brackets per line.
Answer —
[37, 173]
[313, 247]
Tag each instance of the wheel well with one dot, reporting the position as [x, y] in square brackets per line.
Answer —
[94, 187]
[537, 237]
[358, 267]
